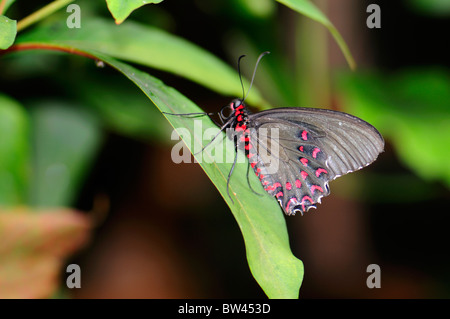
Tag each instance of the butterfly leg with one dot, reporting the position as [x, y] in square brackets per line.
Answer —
[232, 167]
[209, 143]
[218, 133]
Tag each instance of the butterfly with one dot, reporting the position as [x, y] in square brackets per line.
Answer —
[310, 146]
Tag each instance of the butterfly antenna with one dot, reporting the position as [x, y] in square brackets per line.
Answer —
[254, 72]
[240, 75]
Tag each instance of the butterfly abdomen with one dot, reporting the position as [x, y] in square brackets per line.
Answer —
[244, 142]
[243, 135]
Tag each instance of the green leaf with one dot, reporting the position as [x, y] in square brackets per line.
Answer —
[260, 219]
[65, 140]
[412, 110]
[8, 31]
[14, 152]
[121, 9]
[148, 46]
[310, 10]
[256, 8]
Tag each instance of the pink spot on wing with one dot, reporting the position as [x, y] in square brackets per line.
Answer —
[305, 135]
[300, 148]
[279, 194]
[304, 161]
[298, 184]
[303, 202]
[288, 186]
[306, 197]
[315, 151]
[304, 174]
[316, 187]
[277, 185]
[321, 170]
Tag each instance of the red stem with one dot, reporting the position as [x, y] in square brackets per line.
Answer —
[53, 47]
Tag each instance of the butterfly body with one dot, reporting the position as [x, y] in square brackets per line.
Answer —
[310, 147]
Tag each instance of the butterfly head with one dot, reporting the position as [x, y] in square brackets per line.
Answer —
[237, 104]
[229, 110]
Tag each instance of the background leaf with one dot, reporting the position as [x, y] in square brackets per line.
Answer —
[412, 109]
[14, 152]
[148, 46]
[65, 141]
[308, 9]
[121, 9]
[8, 31]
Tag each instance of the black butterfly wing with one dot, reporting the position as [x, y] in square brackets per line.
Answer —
[312, 147]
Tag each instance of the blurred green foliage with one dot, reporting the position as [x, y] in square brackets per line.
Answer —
[438, 8]
[412, 109]
[14, 152]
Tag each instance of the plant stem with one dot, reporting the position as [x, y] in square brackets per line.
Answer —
[53, 47]
[41, 13]
[2, 6]
[312, 66]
